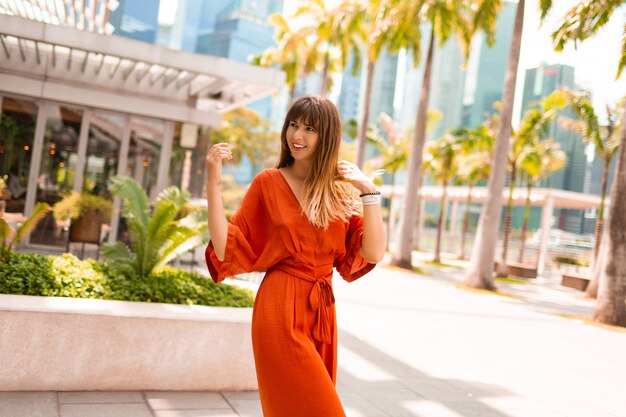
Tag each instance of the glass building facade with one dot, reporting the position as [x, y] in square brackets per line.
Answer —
[136, 19]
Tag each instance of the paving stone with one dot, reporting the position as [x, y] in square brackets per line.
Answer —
[216, 412]
[167, 400]
[104, 410]
[28, 404]
[100, 397]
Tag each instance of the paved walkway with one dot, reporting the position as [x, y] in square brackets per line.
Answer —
[420, 346]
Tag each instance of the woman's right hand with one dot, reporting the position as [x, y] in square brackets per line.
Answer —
[214, 158]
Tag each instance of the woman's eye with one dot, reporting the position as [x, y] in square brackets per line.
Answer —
[292, 124]
[310, 129]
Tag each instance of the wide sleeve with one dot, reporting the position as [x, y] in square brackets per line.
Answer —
[250, 244]
[352, 265]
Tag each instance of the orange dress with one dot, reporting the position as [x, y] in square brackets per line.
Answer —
[294, 333]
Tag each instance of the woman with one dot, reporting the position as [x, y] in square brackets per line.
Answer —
[297, 221]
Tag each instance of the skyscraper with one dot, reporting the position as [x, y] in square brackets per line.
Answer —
[136, 19]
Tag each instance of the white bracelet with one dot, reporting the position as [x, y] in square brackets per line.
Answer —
[370, 200]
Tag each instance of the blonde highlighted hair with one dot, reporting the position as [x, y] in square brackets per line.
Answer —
[324, 199]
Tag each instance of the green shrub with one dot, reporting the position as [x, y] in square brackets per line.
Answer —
[174, 286]
[68, 276]
[26, 274]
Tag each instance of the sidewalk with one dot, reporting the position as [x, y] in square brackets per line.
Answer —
[420, 346]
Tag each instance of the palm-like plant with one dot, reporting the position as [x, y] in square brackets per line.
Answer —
[293, 53]
[440, 162]
[377, 20]
[336, 28]
[480, 271]
[444, 18]
[9, 237]
[476, 147]
[580, 23]
[157, 237]
[538, 162]
[604, 139]
[393, 149]
[533, 126]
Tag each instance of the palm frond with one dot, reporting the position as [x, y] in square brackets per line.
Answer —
[40, 210]
[135, 198]
[183, 241]
[6, 235]
[175, 195]
[120, 258]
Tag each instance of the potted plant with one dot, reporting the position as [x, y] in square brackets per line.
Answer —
[86, 214]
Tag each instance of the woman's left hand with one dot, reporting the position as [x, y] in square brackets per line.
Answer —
[351, 173]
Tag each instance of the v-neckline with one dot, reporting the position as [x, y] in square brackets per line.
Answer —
[293, 193]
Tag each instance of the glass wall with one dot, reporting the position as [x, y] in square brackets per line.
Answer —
[103, 152]
[143, 155]
[59, 158]
[17, 130]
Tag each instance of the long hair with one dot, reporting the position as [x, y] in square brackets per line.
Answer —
[325, 199]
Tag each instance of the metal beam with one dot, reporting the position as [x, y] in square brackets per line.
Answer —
[4, 46]
[37, 53]
[82, 69]
[22, 54]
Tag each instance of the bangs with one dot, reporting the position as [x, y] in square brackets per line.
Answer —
[308, 112]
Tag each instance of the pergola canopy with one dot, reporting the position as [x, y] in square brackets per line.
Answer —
[561, 199]
[109, 72]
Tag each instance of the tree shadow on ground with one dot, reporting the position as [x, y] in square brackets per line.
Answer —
[403, 391]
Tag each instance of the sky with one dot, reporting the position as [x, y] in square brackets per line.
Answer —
[595, 60]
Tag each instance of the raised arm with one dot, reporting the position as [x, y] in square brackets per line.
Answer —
[218, 226]
[373, 245]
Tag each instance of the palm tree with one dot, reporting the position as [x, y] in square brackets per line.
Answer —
[158, 237]
[476, 148]
[605, 140]
[579, 23]
[337, 28]
[393, 148]
[480, 270]
[379, 16]
[538, 162]
[533, 126]
[441, 162]
[444, 17]
[293, 53]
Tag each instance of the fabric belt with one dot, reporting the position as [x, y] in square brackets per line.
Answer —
[321, 297]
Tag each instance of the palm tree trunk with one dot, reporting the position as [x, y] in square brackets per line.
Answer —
[592, 288]
[365, 114]
[390, 213]
[292, 94]
[480, 271]
[522, 243]
[503, 269]
[325, 70]
[466, 217]
[441, 222]
[610, 308]
[402, 255]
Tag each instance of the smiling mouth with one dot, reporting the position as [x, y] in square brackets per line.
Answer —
[298, 146]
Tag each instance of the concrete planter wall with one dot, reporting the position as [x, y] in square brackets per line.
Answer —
[64, 344]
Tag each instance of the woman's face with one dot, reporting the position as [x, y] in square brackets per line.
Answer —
[301, 139]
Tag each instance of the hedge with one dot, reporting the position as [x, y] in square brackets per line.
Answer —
[68, 276]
